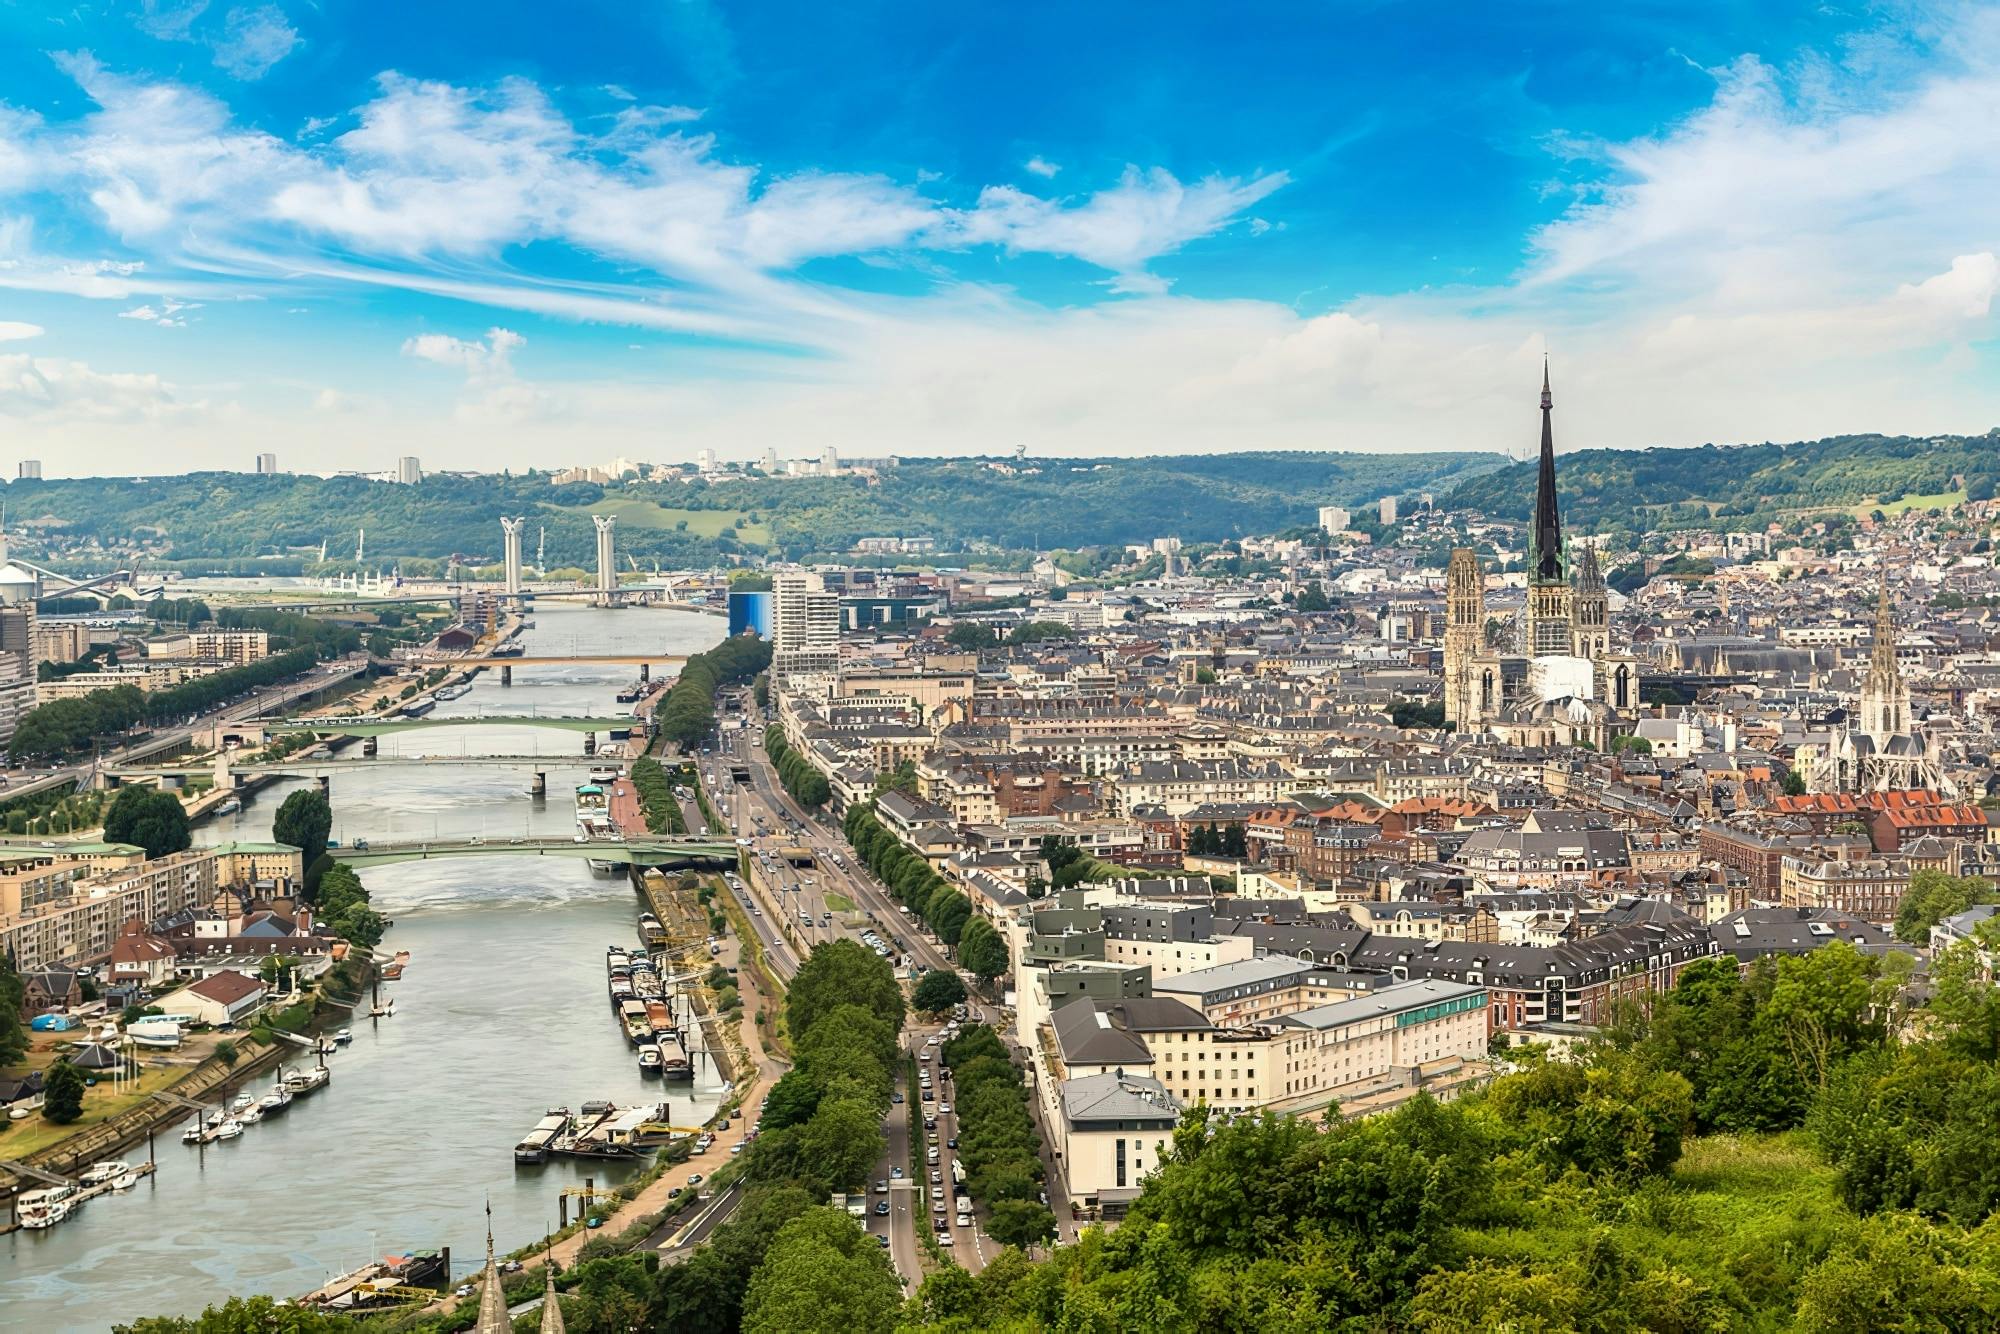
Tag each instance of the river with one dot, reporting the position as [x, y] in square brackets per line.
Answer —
[502, 1014]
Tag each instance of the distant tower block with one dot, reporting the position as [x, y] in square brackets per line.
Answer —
[510, 538]
[607, 559]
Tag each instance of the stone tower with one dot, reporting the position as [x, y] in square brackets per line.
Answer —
[1549, 631]
[1464, 636]
[1590, 609]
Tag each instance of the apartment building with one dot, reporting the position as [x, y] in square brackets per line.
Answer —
[213, 643]
[1866, 887]
[805, 625]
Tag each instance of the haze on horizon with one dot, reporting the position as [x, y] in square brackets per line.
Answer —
[348, 231]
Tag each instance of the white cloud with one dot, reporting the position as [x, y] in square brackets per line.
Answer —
[14, 331]
[57, 390]
[1041, 166]
[490, 356]
[254, 39]
[167, 315]
[168, 21]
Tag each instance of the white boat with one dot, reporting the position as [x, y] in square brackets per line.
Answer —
[250, 1115]
[273, 1103]
[649, 1060]
[229, 806]
[307, 1080]
[192, 1135]
[98, 1173]
[215, 1119]
[343, 1037]
[241, 1101]
[154, 1032]
[228, 1130]
[45, 1207]
[125, 1180]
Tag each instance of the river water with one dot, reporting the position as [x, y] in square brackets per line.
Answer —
[501, 1014]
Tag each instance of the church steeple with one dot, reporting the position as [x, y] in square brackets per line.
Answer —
[1545, 543]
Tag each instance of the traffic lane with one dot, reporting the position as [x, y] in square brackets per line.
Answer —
[903, 1250]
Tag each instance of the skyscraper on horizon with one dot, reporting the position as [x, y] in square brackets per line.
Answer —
[266, 464]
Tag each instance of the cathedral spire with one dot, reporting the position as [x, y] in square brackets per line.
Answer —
[1545, 544]
[493, 1317]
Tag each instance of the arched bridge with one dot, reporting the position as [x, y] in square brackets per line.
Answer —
[646, 851]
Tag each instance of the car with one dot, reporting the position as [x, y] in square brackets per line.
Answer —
[930, 1123]
[1043, 1196]
[694, 1178]
[929, 1096]
[930, 1042]
[944, 1109]
[882, 1186]
[895, 1097]
[951, 1143]
[896, 1173]
[881, 1208]
[883, 1238]
[936, 1176]
[943, 1238]
[462, 1290]
[735, 1149]
[931, 1155]
[937, 1192]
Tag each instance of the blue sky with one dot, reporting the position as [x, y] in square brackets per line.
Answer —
[513, 235]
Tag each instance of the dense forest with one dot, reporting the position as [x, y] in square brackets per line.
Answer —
[1744, 485]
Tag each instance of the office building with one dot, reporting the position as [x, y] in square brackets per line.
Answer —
[1387, 509]
[805, 623]
[1333, 519]
[409, 470]
[29, 469]
[266, 464]
[750, 613]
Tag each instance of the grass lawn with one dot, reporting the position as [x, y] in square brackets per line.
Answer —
[701, 523]
[1938, 500]
[839, 902]
[22, 1138]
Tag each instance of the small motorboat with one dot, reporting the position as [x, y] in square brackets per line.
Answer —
[273, 1103]
[344, 1036]
[228, 1130]
[215, 1118]
[125, 1180]
[241, 1101]
[192, 1135]
[250, 1115]
[99, 1173]
[649, 1060]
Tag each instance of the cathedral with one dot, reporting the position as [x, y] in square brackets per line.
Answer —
[1882, 749]
[1566, 684]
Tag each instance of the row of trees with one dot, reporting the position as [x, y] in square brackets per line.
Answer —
[656, 797]
[64, 726]
[1210, 841]
[806, 783]
[912, 882]
[687, 715]
[786, 1262]
[996, 1137]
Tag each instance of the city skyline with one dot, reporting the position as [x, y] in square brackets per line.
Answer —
[231, 230]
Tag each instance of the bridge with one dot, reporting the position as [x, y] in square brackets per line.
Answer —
[365, 725]
[542, 659]
[307, 766]
[644, 851]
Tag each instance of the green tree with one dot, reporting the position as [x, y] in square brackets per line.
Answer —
[62, 1093]
[1313, 598]
[937, 991]
[843, 972]
[244, 1315]
[304, 821]
[971, 635]
[821, 1274]
[13, 1034]
[982, 950]
[149, 818]
[1021, 1223]
[1934, 896]
[1794, 783]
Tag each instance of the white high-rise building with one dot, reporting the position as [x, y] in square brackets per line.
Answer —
[1333, 519]
[510, 540]
[805, 625]
[409, 471]
[829, 461]
[1387, 509]
[771, 460]
[29, 470]
[267, 464]
[704, 460]
[607, 559]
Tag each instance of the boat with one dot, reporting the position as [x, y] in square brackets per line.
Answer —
[46, 1207]
[392, 972]
[228, 1130]
[241, 1101]
[458, 691]
[632, 1015]
[534, 1146]
[250, 1115]
[309, 1080]
[677, 1068]
[631, 694]
[229, 806]
[344, 1036]
[660, 1018]
[126, 1180]
[99, 1173]
[192, 1135]
[603, 775]
[649, 1059]
[271, 1104]
[382, 1011]
[418, 708]
[154, 1032]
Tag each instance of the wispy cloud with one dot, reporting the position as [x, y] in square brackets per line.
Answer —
[1041, 166]
[254, 39]
[13, 331]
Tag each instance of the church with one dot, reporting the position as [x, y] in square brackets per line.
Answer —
[1883, 749]
[1566, 685]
